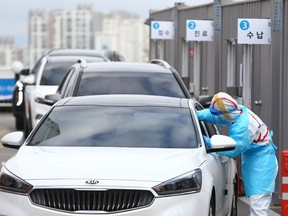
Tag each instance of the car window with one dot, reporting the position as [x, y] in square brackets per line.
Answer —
[96, 83]
[54, 72]
[106, 126]
[57, 66]
[37, 66]
[207, 129]
[71, 84]
[67, 82]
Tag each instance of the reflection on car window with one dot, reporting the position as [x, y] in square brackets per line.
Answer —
[156, 127]
[56, 68]
[54, 72]
[129, 83]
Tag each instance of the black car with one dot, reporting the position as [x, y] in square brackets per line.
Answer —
[156, 77]
[49, 71]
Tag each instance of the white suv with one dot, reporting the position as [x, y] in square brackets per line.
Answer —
[48, 73]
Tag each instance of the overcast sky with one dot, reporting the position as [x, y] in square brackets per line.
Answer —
[14, 13]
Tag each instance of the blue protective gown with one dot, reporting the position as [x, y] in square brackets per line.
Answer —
[259, 164]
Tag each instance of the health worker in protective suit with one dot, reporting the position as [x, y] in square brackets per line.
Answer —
[254, 145]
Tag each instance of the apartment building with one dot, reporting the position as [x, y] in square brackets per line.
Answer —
[126, 33]
[6, 51]
[81, 28]
[37, 35]
[84, 28]
[72, 29]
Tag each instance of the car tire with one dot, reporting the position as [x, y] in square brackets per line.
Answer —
[234, 204]
[19, 123]
[212, 210]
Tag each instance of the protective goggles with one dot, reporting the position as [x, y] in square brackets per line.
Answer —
[218, 112]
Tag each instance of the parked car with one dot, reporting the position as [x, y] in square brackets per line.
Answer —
[119, 155]
[45, 78]
[155, 77]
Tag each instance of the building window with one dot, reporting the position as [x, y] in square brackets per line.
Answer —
[69, 25]
[43, 41]
[35, 27]
[69, 42]
[44, 28]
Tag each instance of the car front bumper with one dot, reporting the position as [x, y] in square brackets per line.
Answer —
[182, 205]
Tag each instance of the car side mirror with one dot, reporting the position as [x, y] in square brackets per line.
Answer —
[29, 80]
[221, 143]
[13, 140]
[25, 71]
[51, 99]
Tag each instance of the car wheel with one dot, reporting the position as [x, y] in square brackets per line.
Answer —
[233, 211]
[212, 206]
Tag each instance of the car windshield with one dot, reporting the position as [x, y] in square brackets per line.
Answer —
[54, 71]
[164, 84]
[106, 126]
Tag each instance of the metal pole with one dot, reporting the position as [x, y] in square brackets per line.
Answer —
[247, 74]
[196, 68]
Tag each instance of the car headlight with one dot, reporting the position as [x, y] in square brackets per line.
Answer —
[10, 182]
[187, 183]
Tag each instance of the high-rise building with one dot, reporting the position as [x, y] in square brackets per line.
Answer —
[81, 28]
[125, 33]
[85, 29]
[6, 51]
[9, 52]
[72, 29]
[37, 35]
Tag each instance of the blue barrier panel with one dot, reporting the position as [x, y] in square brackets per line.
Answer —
[6, 89]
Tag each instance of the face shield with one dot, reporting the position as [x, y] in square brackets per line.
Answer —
[224, 106]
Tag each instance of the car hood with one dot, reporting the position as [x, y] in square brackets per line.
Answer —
[39, 163]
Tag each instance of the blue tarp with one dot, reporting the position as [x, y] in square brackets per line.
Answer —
[6, 89]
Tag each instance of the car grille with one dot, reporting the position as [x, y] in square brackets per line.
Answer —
[80, 200]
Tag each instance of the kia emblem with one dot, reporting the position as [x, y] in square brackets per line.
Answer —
[92, 181]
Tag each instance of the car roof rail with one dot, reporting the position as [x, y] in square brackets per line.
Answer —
[50, 51]
[82, 62]
[161, 63]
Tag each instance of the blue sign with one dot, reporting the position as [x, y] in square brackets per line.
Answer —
[244, 25]
[6, 89]
[156, 25]
[192, 25]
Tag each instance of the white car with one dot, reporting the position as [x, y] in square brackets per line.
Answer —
[131, 155]
[46, 75]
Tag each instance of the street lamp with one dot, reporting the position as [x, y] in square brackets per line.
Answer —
[17, 67]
